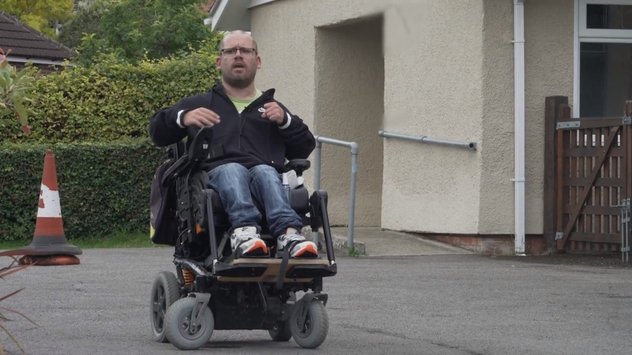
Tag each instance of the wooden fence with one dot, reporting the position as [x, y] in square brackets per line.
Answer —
[588, 177]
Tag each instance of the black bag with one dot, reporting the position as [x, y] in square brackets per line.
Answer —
[163, 227]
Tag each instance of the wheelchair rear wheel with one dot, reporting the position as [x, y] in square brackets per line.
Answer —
[164, 292]
[281, 331]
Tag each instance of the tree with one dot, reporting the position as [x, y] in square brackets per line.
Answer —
[86, 20]
[135, 29]
[42, 15]
[15, 89]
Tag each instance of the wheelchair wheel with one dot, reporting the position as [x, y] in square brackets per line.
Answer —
[314, 330]
[179, 328]
[281, 331]
[164, 291]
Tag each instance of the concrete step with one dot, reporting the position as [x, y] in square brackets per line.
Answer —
[374, 241]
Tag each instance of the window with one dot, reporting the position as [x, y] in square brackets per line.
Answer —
[604, 65]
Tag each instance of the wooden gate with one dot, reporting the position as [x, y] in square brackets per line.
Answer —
[588, 175]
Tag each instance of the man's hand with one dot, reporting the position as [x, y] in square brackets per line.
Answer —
[273, 112]
[200, 117]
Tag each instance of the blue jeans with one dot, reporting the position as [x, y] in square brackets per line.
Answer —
[242, 190]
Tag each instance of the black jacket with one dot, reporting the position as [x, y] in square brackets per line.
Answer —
[245, 138]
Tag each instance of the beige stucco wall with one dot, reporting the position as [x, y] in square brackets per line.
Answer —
[549, 71]
[496, 209]
[433, 56]
[448, 74]
[330, 71]
[350, 107]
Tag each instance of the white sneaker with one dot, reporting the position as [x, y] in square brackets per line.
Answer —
[245, 241]
[299, 247]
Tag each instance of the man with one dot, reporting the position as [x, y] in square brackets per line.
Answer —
[257, 134]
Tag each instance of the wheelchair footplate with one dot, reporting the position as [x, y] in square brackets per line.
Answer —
[267, 269]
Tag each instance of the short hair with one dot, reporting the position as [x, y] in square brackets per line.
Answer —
[230, 33]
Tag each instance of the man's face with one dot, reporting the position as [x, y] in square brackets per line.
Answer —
[238, 67]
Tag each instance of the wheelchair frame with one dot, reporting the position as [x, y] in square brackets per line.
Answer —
[241, 293]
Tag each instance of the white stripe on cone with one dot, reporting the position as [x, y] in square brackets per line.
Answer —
[49, 200]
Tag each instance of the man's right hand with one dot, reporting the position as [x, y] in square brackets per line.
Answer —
[200, 117]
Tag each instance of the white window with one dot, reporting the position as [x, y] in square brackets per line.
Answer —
[603, 57]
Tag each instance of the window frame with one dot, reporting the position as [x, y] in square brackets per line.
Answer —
[597, 34]
[582, 34]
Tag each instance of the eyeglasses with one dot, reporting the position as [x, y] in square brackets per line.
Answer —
[233, 51]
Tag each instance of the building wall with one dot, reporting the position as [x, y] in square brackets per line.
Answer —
[496, 209]
[328, 68]
[433, 71]
[549, 71]
[447, 74]
[350, 107]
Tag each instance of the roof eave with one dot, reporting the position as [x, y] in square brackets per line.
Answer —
[228, 15]
[39, 61]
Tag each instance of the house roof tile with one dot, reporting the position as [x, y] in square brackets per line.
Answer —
[29, 43]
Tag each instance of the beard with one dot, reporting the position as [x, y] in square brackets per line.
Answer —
[239, 81]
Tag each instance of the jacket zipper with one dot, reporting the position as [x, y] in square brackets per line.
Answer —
[240, 118]
[241, 128]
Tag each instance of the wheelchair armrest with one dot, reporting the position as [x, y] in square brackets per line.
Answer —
[175, 170]
[298, 165]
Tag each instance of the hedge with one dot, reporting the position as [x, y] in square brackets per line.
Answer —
[109, 100]
[104, 188]
[104, 181]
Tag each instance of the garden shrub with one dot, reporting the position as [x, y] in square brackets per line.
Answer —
[103, 187]
[95, 120]
[109, 100]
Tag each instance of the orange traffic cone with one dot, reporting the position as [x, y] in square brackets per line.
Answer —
[49, 246]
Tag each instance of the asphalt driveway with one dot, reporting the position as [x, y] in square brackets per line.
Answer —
[432, 304]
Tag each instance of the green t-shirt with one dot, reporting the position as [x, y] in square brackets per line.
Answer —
[240, 104]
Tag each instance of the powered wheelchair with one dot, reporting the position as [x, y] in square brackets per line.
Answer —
[213, 290]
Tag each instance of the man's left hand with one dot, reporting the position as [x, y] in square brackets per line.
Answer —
[273, 112]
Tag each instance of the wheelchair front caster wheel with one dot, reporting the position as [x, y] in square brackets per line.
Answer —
[309, 326]
[164, 292]
[187, 325]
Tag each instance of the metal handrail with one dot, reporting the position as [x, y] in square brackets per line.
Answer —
[354, 172]
[426, 139]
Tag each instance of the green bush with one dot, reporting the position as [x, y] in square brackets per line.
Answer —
[104, 181]
[109, 100]
[104, 188]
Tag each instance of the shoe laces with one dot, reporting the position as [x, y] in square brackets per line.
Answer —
[286, 238]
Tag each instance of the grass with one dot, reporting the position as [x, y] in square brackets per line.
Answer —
[353, 252]
[116, 240]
